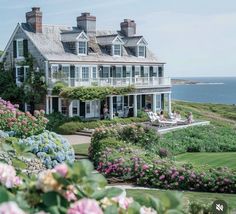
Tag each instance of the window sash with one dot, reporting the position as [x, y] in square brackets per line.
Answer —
[141, 51]
[20, 48]
[117, 50]
[82, 47]
[94, 74]
[85, 73]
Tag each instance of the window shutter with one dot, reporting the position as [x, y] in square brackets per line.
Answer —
[25, 47]
[133, 71]
[14, 49]
[124, 71]
[151, 71]
[142, 71]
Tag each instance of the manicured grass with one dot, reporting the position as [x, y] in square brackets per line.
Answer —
[211, 159]
[205, 198]
[81, 148]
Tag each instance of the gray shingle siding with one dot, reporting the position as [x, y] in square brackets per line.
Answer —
[10, 61]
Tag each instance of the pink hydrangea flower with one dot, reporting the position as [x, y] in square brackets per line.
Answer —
[61, 169]
[10, 208]
[147, 210]
[85, 206]
[123, 201]
[8, 176]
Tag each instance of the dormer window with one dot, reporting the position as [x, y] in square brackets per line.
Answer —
[116, 50]
[82, 48]
[141, 51]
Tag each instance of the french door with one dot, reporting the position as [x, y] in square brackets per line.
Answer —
[92, 109]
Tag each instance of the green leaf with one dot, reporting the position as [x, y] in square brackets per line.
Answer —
[113, 192]
[54, 210]
[50, 199]
[19, 164]
[4, 196]
[111, 210]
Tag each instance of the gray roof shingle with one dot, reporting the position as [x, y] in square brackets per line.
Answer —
[50, 45]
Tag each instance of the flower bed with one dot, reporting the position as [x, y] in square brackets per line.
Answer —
[50, 147]
[74, 189]
[22, 124]
[127, 155]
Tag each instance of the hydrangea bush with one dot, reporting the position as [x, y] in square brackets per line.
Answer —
[22, 124]
[75, 189]
[51, 148]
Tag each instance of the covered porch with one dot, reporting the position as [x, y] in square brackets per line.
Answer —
[118, 106]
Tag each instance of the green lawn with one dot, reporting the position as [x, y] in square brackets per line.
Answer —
[205, 198]
[81, 148]
[212, 159]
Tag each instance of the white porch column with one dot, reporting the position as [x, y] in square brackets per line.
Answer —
[47, 104]
[169, 103]
[71, 109]
[135, 106]
[59, 104]
[111, 107]
[50, 105]
[154, 103]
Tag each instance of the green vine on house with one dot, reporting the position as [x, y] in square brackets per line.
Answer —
[89, 93]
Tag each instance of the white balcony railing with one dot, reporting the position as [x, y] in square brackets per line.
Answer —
[138, 82]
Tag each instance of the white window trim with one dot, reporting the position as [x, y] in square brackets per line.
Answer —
[121, 67]
[53, 65]
[16, 72]
[17, 49]
[113, 50]
[86, 48]
[92, 67]
[109, 74]
[144, 51]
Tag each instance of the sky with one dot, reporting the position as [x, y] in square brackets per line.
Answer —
[194, 37]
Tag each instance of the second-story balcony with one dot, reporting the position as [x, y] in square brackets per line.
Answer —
[138, 82]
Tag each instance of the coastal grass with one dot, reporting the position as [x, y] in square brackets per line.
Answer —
[222, 159]
[200, 197]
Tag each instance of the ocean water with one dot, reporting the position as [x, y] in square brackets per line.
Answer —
[209, 90]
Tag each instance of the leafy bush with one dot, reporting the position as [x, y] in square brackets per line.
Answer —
[75, 189]
[51, 148]
[22, 124]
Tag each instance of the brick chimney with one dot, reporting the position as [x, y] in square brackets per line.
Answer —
[128, 27]
[34, 18]
[87, 23]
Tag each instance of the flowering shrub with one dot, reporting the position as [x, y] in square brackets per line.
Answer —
[50, 147]
[74, 189]
[165, 175]
[115, 155]
[22, 124]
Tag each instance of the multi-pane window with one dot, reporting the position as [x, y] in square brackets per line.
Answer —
[146, 71]
[64, 107]
[118, 71]
[117, 50]
[65, 71]
[85, 73]
[20, 48]
[94, 74]
[137, 70]
[105, 73]
[21, 74]
[53, 73]
[82, 49]
[75, 104]
[141, 51]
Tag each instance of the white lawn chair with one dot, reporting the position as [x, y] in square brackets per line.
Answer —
[156, 121]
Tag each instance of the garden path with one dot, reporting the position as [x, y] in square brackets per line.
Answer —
[77, 139]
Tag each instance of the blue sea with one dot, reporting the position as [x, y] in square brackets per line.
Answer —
[209, 90]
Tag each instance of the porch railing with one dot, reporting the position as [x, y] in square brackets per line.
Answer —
[138, 82]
